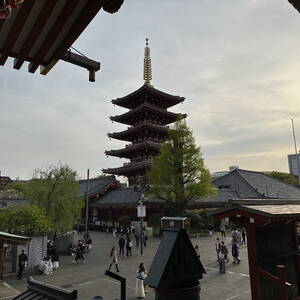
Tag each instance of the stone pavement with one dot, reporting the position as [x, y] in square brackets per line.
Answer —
[90, 281]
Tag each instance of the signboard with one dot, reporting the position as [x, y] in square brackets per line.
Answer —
[141, 211]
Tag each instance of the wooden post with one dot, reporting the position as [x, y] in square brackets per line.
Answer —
[282, 288]
[251, 242]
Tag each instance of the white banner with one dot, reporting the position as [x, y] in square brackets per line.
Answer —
[141, 211]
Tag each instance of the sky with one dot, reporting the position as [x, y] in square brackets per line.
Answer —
[235, 61]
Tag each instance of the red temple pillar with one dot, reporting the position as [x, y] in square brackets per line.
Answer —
[297, 256]
[252, 257]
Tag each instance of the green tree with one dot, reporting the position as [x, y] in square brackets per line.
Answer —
[27, 219]
[55, 190]
[285, 177]
[178, 174]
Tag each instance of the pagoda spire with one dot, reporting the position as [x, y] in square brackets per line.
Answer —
[147, 65]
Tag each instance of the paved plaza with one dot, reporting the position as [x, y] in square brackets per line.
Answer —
[90, 281]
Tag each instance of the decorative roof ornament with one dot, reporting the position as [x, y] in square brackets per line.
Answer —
[147, 65]
[6, 7]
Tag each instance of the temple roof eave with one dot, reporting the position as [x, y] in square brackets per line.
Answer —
[127, 135]
[124, 152]
[170, 100]
[128, 168]
[125, 118]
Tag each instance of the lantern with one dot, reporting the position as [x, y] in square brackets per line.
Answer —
[6, 7]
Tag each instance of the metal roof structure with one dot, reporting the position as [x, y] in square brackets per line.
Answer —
[40, 32]
[175, 261]
[43, 291]
[10, 238]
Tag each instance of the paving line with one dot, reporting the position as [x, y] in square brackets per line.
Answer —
[230, 272]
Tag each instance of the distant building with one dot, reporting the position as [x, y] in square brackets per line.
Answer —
[4, 181]
[293, 164]
[222, 173]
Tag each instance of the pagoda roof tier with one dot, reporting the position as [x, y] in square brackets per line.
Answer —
[144, 110]
[130, 150]
[149, 94]
[129, 169]
[130, 133]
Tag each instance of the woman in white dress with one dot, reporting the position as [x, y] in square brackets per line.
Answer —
[46, 266]
[140, 277]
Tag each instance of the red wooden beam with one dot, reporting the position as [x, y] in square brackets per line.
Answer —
[34, 33]
[297, 257]
[252, 257]
[62, 19]
[15, 30]
[90, 10]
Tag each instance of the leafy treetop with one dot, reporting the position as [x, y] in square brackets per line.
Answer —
[27, 219]
[178, 174]
[55, 190]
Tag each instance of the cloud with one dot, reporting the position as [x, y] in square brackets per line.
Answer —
[234, 61]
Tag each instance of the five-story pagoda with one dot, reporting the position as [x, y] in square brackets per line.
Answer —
[147, 118]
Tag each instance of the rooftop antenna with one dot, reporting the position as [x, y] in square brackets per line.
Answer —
[296, 151]
[147, 65]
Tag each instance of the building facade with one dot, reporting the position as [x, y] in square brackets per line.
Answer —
[294, 164]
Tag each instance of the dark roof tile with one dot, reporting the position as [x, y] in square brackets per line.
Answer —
[96, 184]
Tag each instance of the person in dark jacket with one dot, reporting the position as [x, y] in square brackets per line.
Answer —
[235, 250]
[121, 245]
[22, 259]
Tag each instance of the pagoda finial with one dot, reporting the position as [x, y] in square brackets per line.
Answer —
[147, 65]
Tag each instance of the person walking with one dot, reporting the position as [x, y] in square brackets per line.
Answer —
[140, 287]
[121, 245]
[79, 254]
[243, 237]
[113, 259]
[137, 238]
[235, 252]
[224, 250]
[218, 247]
[128, 247]
[222, 229]
[22, 259]
[145, 239]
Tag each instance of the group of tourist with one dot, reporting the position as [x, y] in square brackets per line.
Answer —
[238, 238]
[125, 242]
[120, 230]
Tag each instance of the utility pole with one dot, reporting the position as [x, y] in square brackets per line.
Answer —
[296, 151]
[87, 202]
